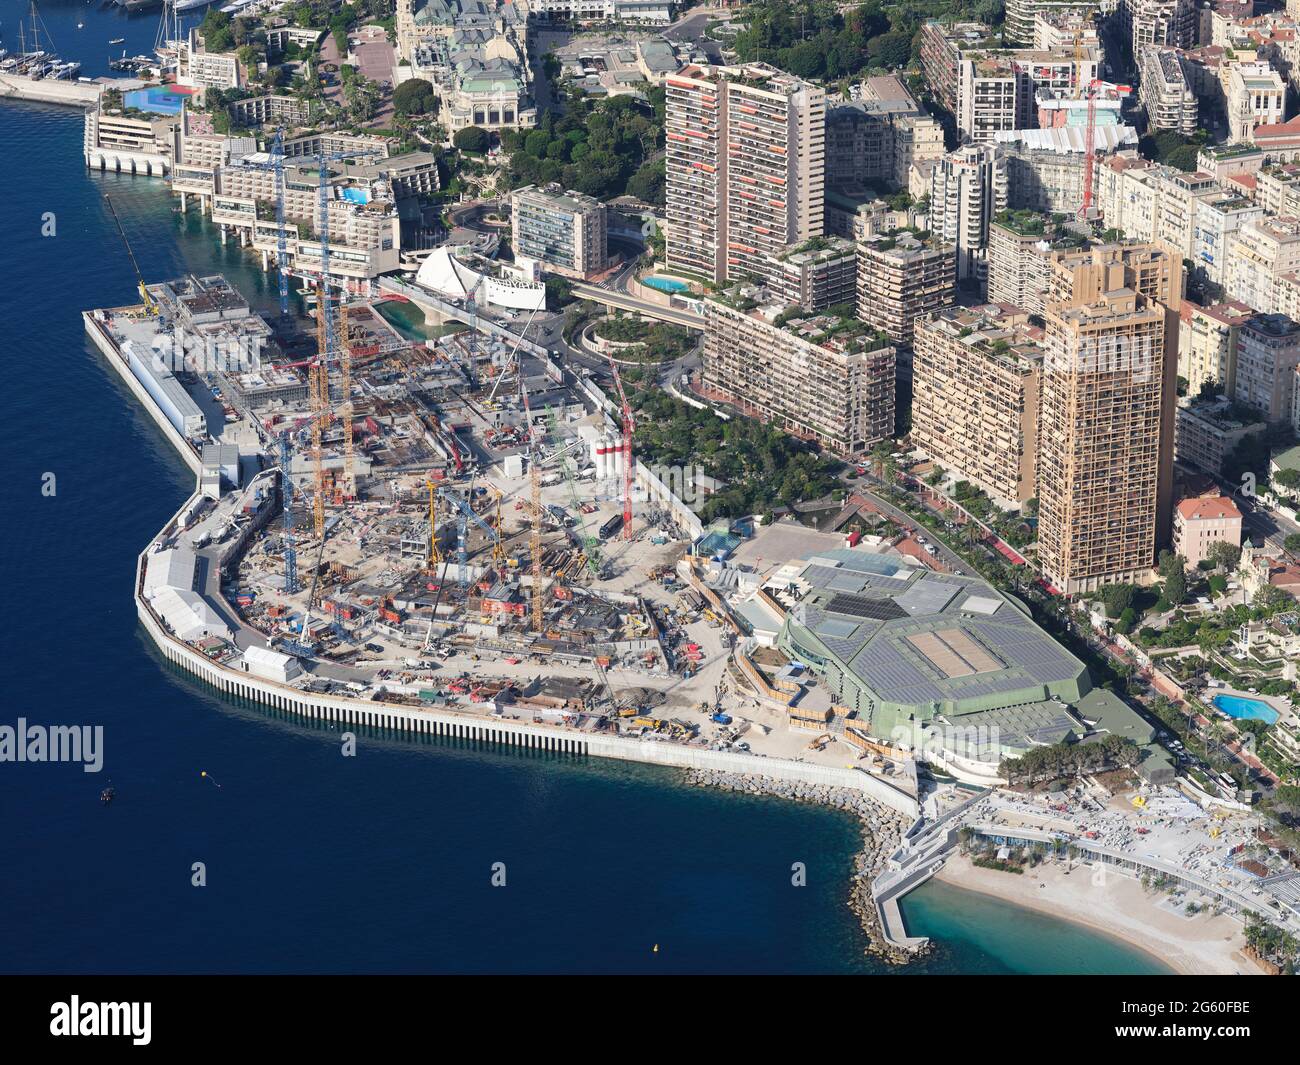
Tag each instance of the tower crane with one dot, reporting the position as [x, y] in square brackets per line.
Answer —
[286, 491]
[327, 340]
[535, 488]
[1089, 150]
[150, 307]
[466, 514]
[435, 556]
[628, 427]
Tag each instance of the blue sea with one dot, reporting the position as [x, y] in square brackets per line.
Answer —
[315, 862]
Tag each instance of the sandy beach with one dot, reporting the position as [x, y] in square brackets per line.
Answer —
[1117, 906]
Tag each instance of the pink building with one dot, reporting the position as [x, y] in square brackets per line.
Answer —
[1199, 524]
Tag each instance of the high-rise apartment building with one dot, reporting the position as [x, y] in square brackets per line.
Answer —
[745, 168]
[1021, 16]
[1106, 428]
[967, 189]
[1207, 344]
[1158, 22]
[1018, 265]
[817, 274]
[879, 135]
[566, 232]
[975, 390]
[901, 279]
[1166, 94]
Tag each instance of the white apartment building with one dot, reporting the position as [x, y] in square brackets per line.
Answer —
[1155, 203]
[198, 67]
[989, 99]
[646, 12]
[1256, 96]
[1158, 22]
[1277, 189]
[967, 189]
[1166, 95]
[1262, 251]
[1218, 220]
[565, 232]
[1207, 344]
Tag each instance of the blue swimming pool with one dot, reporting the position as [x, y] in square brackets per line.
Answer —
[1243, 709]
[158, 99]
[665, 284]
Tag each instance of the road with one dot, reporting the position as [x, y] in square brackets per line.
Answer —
[690, 31]
[1263, 524]
[947, 555]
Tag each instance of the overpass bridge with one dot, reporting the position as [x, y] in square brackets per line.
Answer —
[621, 301]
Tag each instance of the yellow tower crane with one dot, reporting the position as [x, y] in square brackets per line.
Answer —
[535, 483]
[498, 552]
[435, 556]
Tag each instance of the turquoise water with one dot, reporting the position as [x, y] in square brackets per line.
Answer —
[156, 99]
[665, 284]
[976, 933]
[1243, 709]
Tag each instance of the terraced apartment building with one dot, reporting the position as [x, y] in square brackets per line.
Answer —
[818, 376]
[976, 377]
[902, 278]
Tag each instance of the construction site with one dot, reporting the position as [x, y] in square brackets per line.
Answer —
[452, 524]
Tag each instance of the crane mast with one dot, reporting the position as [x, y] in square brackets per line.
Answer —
[535, 490]
[628, 426]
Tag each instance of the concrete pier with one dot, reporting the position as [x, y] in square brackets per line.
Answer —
[49, 90]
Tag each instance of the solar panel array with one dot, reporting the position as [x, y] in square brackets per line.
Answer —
[1031, 648]
[861, 606]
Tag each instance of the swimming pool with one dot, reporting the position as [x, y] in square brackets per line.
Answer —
[1243, 709]
[665, 284]
[158, 99]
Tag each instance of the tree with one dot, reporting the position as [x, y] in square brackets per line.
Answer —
[559, 291]
[891, 49]
[414, 97]
[1175, 591]
[1117, 598]
[1292, 543]
[1225, 555]
[648, 184]
[472, 139]
[216, 31]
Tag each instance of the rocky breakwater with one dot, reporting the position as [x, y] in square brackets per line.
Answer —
[882, 831]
